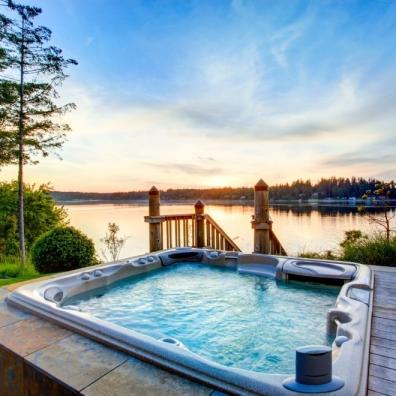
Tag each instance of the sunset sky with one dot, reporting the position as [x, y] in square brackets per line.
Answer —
[213, 93]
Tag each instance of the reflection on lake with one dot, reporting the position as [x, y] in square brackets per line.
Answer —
[298, 227]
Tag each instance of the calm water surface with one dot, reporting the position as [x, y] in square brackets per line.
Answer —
[299, 228]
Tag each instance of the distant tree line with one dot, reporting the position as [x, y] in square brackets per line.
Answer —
[333, 187]
[342, 188]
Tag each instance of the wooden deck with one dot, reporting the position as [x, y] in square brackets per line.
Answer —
[382, 368]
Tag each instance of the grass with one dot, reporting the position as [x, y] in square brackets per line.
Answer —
[372, 249]
[10, 271]
[326, 255]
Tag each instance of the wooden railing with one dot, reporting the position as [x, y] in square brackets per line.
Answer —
[180, 230]
[216, 238]
[200, 230]
[275, 245]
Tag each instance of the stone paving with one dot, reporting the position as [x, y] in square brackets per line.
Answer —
[40, 358]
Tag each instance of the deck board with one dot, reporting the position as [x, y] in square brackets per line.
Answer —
[382, 368]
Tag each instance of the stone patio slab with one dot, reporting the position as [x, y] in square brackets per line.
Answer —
[30, 335]
[9, 315]
[136, 378]
[77, 361]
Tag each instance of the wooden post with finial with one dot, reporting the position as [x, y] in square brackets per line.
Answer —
[154, 224]
[199, 224]
[261, 222]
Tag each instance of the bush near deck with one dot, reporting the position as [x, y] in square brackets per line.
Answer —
[62, 249]
[41, 215]
[358, 247]
[374, 250]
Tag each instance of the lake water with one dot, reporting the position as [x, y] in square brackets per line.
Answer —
[298, 227]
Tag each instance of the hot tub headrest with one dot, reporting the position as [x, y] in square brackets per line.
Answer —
[181, 255]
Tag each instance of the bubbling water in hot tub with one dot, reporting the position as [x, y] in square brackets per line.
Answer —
[238, 320]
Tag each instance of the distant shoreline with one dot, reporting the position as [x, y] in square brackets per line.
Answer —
[245, 202]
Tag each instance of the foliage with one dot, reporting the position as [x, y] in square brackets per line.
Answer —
[41, 214]
[29, 110]
[332, 187]
[5, 25]
[327, 255]
[351, 237]
[374, 250]
[7, 154]
[11, 272]
[380, 196]
[113, 242]
[62, 249]
[361, 248]
[10, 267]
[25, 50]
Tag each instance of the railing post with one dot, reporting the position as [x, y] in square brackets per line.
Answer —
[199, 224]
[155, 225]
[261, 222]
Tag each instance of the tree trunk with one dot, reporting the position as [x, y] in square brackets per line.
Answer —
[387, 225]
[21, 221]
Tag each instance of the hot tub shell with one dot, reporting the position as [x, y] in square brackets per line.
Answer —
[349, 320]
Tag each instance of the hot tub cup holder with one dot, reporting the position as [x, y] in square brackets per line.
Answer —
[313, 371]
[172, 341]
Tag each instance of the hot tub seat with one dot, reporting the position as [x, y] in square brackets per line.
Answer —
[319, 269]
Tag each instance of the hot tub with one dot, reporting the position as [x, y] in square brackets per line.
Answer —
[229, 320]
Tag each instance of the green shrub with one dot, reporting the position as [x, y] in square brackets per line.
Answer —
[326, 255]
[361, 248]
[374, 250]
[40, 213]
[62, 249]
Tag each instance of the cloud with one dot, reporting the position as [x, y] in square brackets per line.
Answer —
[350, 159]
[206, 159]
[282, 41]
[187, 168]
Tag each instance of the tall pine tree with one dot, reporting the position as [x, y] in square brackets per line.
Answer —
[29, 109]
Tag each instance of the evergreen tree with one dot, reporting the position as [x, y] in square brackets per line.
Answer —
[6, 142]
[28, 101]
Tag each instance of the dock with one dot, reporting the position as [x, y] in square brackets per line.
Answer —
[382, 366]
